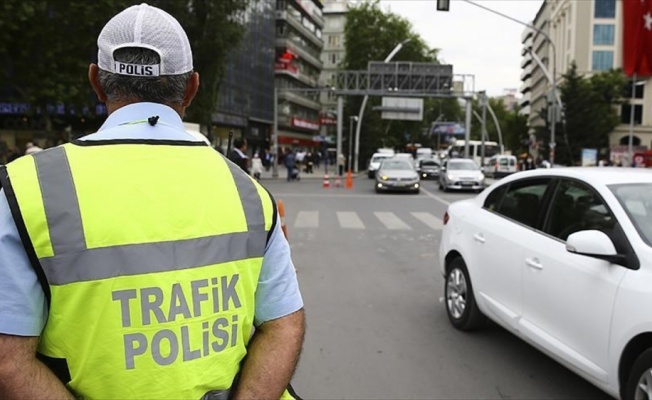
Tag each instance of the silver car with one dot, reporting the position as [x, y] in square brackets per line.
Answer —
[397, 174]
[461, 174]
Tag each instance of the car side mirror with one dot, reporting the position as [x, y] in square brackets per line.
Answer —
[481, 169]
[596, 244]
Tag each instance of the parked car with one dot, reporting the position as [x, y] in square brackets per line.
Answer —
[374, 162]
[397, 174]
[428, 168]
[501, 165]
[461, 174]
[561, 258]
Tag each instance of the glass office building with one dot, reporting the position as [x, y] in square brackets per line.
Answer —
[246, 97]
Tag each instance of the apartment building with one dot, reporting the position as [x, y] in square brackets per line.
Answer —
[299, 43]
[590, 33]
[332, 54]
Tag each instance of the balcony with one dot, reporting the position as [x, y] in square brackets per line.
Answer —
[297, 98]
[525, 110]
[525, 100]
[526, 74]
[527, 60]
[525, 88]
[298, 50]
[298, 25]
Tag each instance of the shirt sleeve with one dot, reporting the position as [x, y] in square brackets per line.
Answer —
[278, 292]
[23, 310]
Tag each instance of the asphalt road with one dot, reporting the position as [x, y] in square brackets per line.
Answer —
[377, 326]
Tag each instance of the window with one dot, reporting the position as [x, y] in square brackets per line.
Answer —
[603, 34]
[492, 202]
[639, 89]
[605, 9]
[523, 201]
[625, 113]
[602, 60]
[576, 207]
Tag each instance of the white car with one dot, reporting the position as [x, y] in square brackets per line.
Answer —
[563, 259]
[460, 174]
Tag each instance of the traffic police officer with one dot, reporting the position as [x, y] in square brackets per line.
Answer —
[137, 261]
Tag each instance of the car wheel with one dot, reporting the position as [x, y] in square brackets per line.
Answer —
[639, 383]
[461, 307]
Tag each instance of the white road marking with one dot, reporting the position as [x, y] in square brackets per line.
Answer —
[307, 219]
[391, 221]
[428, 219]
[435, 197]
[349, 220]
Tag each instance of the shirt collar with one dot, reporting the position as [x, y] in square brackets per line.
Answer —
[142, 111]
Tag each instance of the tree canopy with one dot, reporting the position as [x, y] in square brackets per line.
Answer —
[47, 45]
[589, 112]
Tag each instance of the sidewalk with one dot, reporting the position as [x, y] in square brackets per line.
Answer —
[318, 173]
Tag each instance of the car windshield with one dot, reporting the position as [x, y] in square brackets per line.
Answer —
[462, 166]
[636, 199]
[429, 163]
[395, 165]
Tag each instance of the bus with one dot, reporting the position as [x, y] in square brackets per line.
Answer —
[475, 150]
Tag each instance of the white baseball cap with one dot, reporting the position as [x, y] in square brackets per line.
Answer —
[146, 27]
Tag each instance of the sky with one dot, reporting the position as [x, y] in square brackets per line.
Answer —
[475, 41]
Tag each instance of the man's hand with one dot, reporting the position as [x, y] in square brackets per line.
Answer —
[22, 376]
[272, 357]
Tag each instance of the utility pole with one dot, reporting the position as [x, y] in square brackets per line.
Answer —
[483, 103]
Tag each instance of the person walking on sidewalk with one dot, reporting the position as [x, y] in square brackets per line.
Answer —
[138, 262]
[256, 166]
[290, 163]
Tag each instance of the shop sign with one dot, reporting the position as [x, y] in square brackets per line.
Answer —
[305, 124]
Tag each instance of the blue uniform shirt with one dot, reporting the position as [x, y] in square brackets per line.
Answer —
[23, 309]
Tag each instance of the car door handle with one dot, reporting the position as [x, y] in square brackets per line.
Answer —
[479, 238]
[534, 263]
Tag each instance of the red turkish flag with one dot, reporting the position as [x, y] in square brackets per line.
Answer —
[637, 37]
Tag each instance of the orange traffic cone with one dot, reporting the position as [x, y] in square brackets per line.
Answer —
[281, 213]
[349, 180]
[326, 183]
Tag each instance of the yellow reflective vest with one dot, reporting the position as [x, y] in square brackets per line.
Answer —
[151, 253]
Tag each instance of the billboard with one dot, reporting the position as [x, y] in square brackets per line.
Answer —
[448, 128]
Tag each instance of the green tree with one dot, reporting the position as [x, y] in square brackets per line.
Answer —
[45, 50]
[47, 45]
[371, 33]
[590, 112]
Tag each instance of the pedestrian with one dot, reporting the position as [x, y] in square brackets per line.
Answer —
[309, 162]
[290, 163]
[267, 159]
[256, 166]
[341, 160]
[137, 262]
[31, 148]
[239, 154]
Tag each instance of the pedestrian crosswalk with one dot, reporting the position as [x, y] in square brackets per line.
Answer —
[366, 220]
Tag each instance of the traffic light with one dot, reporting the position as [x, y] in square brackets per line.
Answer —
[443, 5]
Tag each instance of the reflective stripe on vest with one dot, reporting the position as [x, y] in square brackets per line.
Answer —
[144, 289]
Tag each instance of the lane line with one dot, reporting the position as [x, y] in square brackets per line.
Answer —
[439, 199]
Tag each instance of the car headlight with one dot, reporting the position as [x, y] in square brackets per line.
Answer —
[384, 177]
[450, 177]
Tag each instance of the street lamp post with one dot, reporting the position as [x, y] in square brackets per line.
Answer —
[351, 120]
[364, 104]
[554, 71]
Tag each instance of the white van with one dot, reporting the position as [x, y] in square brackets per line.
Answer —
[501, 165]
[374, 162]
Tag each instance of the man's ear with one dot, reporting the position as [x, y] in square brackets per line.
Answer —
[94, 78]
[191, 89]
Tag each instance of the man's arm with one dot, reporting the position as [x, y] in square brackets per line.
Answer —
[22, 376]
[272, 357]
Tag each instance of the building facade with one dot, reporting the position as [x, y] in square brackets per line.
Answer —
[297, 66]
[332, 55]
[246, 97]
[590, 33]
